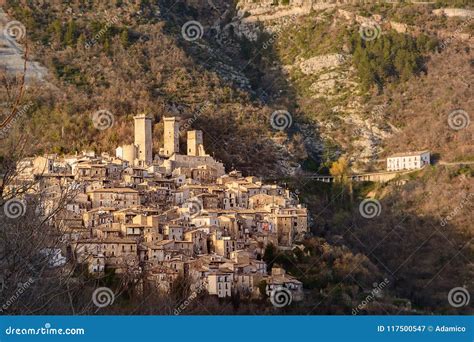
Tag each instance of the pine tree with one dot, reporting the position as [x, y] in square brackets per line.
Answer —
[57, 31]
[107, 46]
[70, 35]
[124, 39]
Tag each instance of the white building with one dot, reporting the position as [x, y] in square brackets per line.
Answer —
[280, 280]
[55, 257]
[408, 160]
[220, 283]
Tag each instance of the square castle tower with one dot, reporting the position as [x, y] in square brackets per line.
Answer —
[171, 139]
[141, 151]
[171, 136]
[143, 138]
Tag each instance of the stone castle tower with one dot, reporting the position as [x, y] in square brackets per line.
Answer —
[195, 144]
[143, 138]
[171, 136]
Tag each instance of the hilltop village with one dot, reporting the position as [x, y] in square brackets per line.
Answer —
[169, 216]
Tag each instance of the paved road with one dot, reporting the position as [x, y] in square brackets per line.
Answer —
[455, 163]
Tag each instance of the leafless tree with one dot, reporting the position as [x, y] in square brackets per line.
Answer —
[31, 244]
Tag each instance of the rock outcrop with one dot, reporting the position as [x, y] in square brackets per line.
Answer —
[12, 53]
